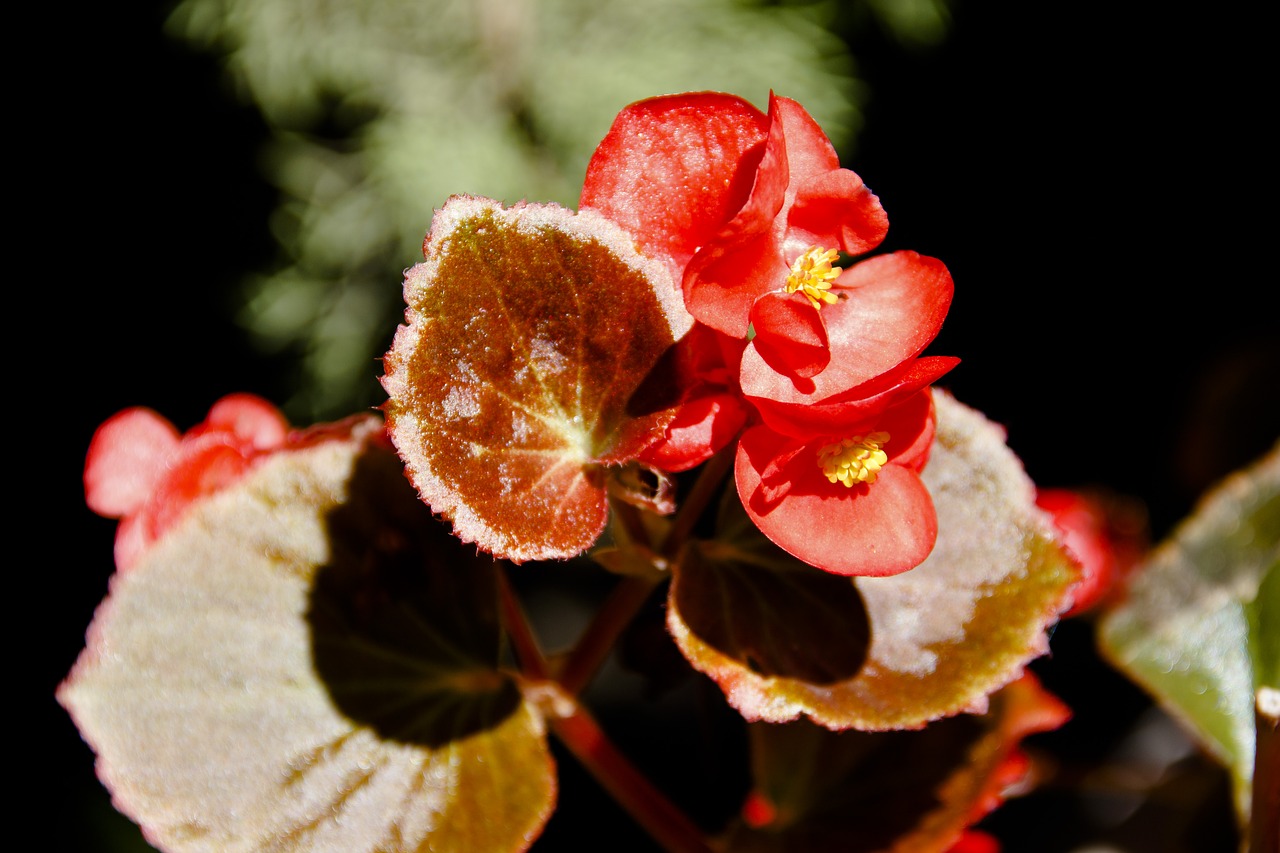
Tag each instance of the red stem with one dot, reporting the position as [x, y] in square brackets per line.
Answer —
[532, 662]
[630, 594]
[596, 643]
[585, 739]
[1264, 822]
[669, 826]
[704, 488]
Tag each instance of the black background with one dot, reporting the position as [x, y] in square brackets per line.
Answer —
[1092, 174]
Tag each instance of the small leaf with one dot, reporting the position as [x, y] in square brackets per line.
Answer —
[529, 331]
[906, 791]
[943, 636]
[309, 661]
[1200, 627]
[744, 593]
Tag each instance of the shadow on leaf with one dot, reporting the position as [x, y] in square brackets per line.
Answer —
[404, 628]
[769, 611]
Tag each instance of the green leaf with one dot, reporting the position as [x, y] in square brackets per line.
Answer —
[310, 662]
[529, 331]
[1263, 614]
[905, 791]
[1200, 627]
[943, 636]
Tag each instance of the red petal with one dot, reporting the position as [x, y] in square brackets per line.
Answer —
[249, 418]
[1104, 533]
[702, 362]
[203, 466]
[808, 149]
[837, 210]
[197, 469]
[972, 841]
[876, 530]
[790, 334]
[745, 259]
[855, 406]
[132, 539]
[724, 280]
[828, 206]
[893, 306]
[758, 811]
[126, 456]
[701, 427]
[673, 170]
[916, 422]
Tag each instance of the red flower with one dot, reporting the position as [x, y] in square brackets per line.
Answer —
[674, 170]
[973, 841]
[1105, 534]
[140, 470]
[783, 243]
[753, 214]
[847, 499]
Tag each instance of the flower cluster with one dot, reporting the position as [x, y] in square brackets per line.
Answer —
[803, 349]
[141, 470]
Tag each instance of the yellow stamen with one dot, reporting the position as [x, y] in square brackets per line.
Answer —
[812, 274]
[854, 460]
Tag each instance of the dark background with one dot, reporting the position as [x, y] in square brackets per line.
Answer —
[1092, 174]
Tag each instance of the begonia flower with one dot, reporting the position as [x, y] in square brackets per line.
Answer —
[772, 267]
[754, 214]
[757, 239]
[674, 170]
[848, 499]
[140, 470]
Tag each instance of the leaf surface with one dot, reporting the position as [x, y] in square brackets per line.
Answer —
[906, 791]
[309, 662]
[529, 331]
[1200, 626]
[928, 643]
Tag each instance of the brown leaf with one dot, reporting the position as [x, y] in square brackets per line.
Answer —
[529, 331]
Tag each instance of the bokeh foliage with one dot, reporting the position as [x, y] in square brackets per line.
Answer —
[379, 110]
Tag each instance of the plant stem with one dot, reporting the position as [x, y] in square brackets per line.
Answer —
[631, 521]
[704, 489]
[630, 594]
[597, 641]
[579, 732]
[532, 662]
[1264, 823]
[667, 824]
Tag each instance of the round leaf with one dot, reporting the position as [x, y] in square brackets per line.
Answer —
[731, 588]
[943, 636]
[308, 662]
[529, 331]
[908, 791]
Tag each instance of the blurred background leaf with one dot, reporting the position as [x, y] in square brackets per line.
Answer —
[379, 110]
[1196, 620]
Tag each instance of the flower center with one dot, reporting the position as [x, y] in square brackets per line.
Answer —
[854, 460]
[812, 274]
